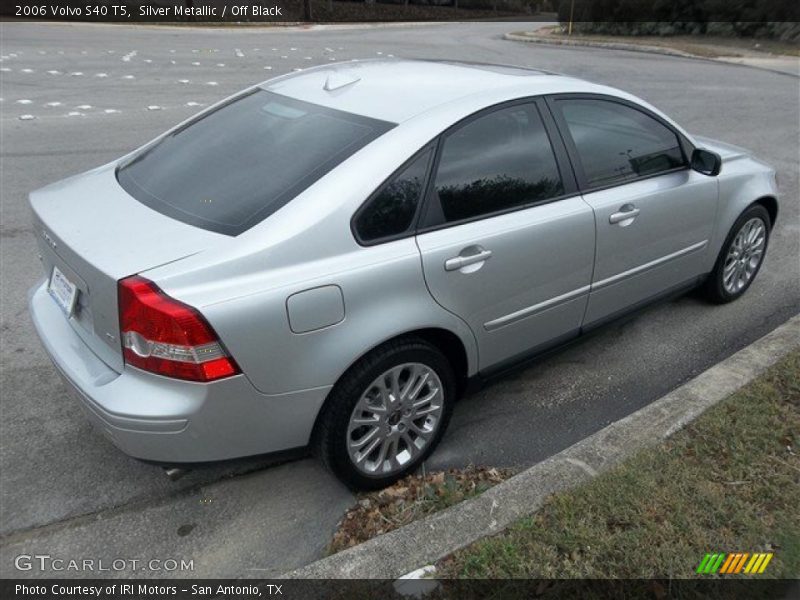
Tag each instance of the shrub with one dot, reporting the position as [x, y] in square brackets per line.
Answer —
[744, 18]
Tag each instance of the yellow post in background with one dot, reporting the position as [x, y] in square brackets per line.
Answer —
[571, 13]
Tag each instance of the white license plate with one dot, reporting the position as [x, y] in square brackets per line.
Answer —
[63, 291]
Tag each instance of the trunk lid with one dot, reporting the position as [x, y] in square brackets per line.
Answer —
[97, 234]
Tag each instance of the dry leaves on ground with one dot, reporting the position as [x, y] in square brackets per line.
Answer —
[409, 499]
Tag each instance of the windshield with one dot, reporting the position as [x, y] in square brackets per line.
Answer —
[235, 166]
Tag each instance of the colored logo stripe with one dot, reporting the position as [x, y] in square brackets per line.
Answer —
[735, 562]
[740, 563]
[754, 562]
[701, 568]
[715, 565]
[728, 562]
[710, 563]
[767, 558]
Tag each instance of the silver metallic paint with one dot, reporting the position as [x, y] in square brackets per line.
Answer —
[316, 308]
[676, 212]
[538, 254]
[540, 283]
[158, 418]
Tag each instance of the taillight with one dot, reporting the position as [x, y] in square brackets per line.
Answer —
[162, 335]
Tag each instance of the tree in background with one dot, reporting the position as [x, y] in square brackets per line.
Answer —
[777, 19]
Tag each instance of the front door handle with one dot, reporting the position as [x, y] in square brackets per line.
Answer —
[627, 212]
[459, 262]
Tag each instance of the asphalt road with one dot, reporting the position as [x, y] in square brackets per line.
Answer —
[75, 96]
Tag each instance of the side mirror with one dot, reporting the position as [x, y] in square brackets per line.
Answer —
[706, 162]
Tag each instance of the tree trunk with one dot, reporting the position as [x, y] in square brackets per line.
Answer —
[307, 13]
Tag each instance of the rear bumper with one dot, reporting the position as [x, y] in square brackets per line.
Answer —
[161, 419]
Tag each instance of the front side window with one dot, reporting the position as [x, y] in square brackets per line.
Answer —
[391, 211]
[235, 166]
[617, 143]
[499, 161]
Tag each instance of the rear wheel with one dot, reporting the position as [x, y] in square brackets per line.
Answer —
[386, 414]
[741, 256]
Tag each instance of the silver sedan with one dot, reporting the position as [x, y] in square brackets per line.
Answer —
[329, 258]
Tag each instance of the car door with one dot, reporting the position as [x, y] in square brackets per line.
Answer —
[506, 242]
[654, 215]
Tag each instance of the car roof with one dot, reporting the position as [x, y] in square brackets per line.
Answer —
[398, 89]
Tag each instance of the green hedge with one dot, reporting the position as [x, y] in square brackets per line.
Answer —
[750, 18]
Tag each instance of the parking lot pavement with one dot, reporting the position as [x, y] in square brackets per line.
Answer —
[75, 96]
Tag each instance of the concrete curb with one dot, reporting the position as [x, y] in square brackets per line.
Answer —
[423, 542]
[755, 63]
[533, 39]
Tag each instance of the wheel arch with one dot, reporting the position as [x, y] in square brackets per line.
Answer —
[445, 340]
[742, 184]
[452, 347]
[771, 204]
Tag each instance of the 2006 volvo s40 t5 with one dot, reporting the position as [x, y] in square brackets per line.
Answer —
[327, 258]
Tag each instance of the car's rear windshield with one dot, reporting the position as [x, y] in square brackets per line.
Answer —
[235, 166]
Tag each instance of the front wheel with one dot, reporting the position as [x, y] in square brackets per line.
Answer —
[741, 256]
[386, 414]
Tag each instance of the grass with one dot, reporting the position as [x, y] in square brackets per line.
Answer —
[729, 482]
[409, 499]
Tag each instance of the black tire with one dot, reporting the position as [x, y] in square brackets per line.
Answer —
[714, 287]
[330, 438]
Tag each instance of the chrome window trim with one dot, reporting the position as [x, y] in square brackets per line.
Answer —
[552, 101]
[411, 230]
[428, 223]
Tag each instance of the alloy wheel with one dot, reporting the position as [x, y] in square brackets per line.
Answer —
[395, 419]
[744, 255]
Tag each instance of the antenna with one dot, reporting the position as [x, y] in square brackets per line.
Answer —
[336, 81]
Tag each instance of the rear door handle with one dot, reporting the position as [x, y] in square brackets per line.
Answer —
[459, 262]
[626, 212]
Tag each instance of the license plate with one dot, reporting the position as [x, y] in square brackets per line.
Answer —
[63, 291]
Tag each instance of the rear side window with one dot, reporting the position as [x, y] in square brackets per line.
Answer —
[617, 143]
[499, 161]
[234, 167]
[391, 211]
